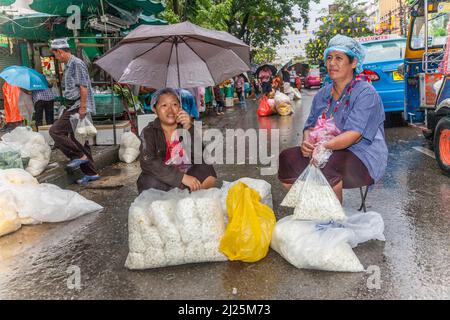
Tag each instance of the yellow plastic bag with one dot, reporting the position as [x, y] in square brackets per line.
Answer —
[284, 109]
[251, 223]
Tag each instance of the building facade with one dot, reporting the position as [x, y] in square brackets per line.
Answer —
[372, 10]
[392, 17]
[294, 46]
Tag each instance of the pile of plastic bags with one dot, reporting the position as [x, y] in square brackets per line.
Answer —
[283, 104]
[278, 104]
[178, 227]
[129, 147]
[175, 227]
[326, 246]
[237, 223]
[33, 149]
[24, 201]
[320, 234]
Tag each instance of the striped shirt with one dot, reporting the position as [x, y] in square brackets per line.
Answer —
[43, 95]
[75, 75]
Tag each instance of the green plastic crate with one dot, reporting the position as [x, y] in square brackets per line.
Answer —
[104, 104]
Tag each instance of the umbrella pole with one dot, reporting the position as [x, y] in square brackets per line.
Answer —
[114, 111]
[59, 80]
[112, 80]
[178, 63]
[113, 101]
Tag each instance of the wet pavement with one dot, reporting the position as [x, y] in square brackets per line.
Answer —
[414, 262]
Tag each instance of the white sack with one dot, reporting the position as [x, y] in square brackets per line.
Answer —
[175, 227]
[129, 147]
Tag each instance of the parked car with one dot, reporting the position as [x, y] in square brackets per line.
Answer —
[313, 79]
[383, 58]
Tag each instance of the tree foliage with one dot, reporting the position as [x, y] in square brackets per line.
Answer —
[263, 55]
[259, 23]
[314, 50]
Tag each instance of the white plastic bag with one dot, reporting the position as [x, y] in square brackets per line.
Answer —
[175, 227]
[310, 245]
[17, 177]
[297, 94]
[24, 201]
[32, 145]
[313, 198]
[9, 220]
[49, 203]
[129, 147]
[365, 226]
[83, 128]
[39, 155]
[26, 106]
[281, 98]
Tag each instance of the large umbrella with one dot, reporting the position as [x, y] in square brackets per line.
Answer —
[181, 56]
[24, 78]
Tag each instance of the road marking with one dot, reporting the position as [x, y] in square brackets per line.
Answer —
[426, 151]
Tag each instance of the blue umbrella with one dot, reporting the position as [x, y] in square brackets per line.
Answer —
[25, 78]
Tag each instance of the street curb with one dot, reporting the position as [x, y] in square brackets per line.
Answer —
[60, 177]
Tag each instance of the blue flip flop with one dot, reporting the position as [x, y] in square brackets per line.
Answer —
[76, 163]
[86, 179]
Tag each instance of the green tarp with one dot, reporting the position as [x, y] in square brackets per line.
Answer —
[6, 2]
[41, 26]
[59, 7]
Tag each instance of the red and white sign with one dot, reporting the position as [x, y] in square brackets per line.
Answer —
[378, 38]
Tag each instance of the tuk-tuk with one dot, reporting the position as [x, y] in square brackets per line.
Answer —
[427, 75]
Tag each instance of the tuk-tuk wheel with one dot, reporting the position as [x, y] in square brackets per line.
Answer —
[442, 144]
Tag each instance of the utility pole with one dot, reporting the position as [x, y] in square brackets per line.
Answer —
[390, 22]
[402, 17]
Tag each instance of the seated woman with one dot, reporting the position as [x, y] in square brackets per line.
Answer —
[159, 140]
[359, 152]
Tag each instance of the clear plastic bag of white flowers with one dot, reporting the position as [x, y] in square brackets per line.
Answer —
[313, 198]
[83, 128]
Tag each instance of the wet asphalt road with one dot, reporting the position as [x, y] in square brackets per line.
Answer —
[414, 262]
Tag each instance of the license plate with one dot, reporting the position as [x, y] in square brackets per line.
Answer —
[398, 76]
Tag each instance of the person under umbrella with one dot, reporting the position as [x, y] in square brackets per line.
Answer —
[164, 161]
[240, 90]
[43, 101]
[13, 117]
[20, 81]
[265, 78]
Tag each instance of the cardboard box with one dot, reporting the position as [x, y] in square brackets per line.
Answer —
[143, 120]
[105, 133]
